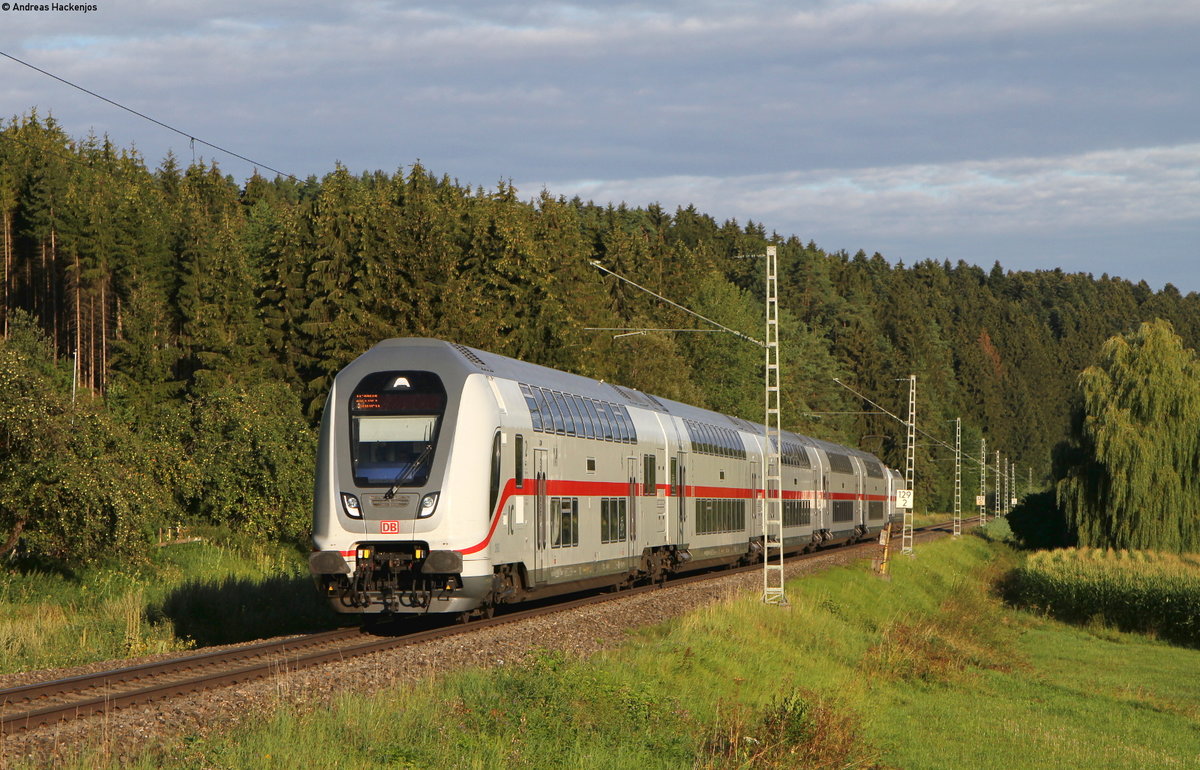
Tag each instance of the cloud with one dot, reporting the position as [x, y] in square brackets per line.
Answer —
[1131, 187]
[885, 121]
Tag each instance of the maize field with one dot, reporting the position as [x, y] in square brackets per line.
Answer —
[1143, 591]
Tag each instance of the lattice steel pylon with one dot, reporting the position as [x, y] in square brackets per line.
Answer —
[957, 476]
[982, 481]
[999, 484]
[773, 592]
[910, 461]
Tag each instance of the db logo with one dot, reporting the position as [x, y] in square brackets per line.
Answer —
[389, 528]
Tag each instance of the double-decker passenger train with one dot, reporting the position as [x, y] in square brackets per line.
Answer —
[452, 480]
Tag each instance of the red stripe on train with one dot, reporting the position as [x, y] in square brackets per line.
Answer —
[567, 488]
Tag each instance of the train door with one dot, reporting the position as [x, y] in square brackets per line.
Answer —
[826, 501]
[541, 512]
[679, 484]
[659, 501]
[860, 491]
[861, 494]
[633, 504]
[758, 492]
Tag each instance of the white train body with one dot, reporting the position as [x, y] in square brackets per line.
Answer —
[452, 480]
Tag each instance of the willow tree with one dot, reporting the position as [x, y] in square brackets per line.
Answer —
[1131, 478]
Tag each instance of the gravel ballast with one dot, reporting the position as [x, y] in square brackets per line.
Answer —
[581, 631]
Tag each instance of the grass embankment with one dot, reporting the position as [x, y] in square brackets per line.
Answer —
[217, 590]
[1145, 591]
[929, 670]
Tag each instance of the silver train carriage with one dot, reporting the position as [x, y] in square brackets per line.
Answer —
[451, 480]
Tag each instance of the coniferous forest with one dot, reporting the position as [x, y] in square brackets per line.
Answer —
[169, 334]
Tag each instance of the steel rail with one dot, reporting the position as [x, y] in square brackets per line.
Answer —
[283, 656]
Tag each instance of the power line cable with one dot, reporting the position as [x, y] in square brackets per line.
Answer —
[905, 422]
[181, 132]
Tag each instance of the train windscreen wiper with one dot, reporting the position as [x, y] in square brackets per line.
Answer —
[409, 472]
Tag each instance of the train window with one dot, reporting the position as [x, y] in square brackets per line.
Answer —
[612, 520]
[519, 460]
[649, 480]
[582, 425]
[570, 532]
[549, 423]
[564, 403]
[722, 515]
[568, 421]
[618, 424]
[797, 513]
[576, 417]
[494, 486]
[605, 420]
[395, 418]
[591, 465]
[795, 455]
[840, 463]
[535, 414]
[674, 473]
[593, 419]
[623, 422]
[564, 522]
[556, 418]
[874, 469]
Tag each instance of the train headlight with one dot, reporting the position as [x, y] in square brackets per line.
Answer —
[428, 504]
[350, 505]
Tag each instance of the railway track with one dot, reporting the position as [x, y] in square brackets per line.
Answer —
[47, 703]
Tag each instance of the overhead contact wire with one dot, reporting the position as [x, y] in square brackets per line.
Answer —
[144, 116]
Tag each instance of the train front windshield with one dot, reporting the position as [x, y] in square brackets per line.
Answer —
[394, 422]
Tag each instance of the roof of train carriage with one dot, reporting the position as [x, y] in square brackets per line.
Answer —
[543, 376]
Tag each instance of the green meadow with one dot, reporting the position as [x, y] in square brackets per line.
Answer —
[931, 669]
[218, 588]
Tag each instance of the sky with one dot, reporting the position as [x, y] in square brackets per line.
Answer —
[1041, 134]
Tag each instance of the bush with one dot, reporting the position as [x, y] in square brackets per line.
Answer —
[252, 457]
[1038, 522]
[74, 484]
